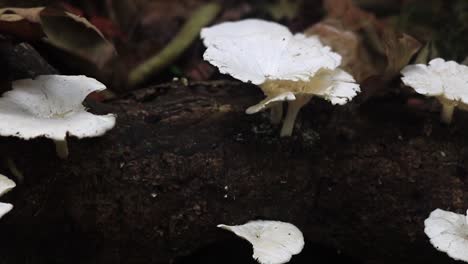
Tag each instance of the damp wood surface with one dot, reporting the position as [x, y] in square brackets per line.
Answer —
[357, 179]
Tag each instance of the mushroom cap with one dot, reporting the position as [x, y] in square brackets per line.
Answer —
[51, 106]
[448, 232]
[6, 185]
[5, 208]
[446, 79]
[255, 51]
[273, 242]
[244, 28]
[336, 86]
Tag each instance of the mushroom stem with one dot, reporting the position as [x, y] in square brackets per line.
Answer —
[447, 113]
[293, 110]
[276, 113]
[61, 147]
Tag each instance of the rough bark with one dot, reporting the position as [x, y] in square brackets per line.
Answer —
[22, 61]
[357, 179]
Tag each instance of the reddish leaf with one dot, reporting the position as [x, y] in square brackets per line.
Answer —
[107, 27]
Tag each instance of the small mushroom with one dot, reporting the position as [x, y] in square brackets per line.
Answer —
[273, 242]
[287, 67]
[448, 232]
[445, 80]
[6, 185]
[51, 106]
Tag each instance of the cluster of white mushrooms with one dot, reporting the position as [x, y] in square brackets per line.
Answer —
[287, 67]
[448, 82]
[293, 68]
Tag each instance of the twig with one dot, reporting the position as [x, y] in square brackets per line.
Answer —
[189, 32]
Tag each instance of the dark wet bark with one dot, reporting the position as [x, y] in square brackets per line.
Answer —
[358, 179]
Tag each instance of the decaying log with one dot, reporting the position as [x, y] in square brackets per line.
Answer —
[182, 159]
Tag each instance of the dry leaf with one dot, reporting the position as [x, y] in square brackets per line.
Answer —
[21, 22]
[355, 58]
[398, 49]
[76, 35]
[17, 14]
[64, 30]
[369, 47]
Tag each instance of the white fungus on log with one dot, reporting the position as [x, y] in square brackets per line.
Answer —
[448, 232]
[445, 80]
[51, 106]
[6, 185]
[273, 242]
[287, 67]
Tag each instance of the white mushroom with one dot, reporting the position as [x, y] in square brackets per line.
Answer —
[5, 186]
[51, 106]
[446, 80]
[273, 242]
[448, 233]
[282, 64]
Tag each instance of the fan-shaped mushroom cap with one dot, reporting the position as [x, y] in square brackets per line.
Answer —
[273, 242]
[254, 51]
[51, 106]
[287, 67]
[5, 208]
[447, 79]
[6, 185]
[244, 28]
[448, 232]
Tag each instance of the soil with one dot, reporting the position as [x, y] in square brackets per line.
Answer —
[358, 180]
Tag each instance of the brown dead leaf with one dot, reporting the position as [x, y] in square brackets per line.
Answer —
[398, 49]
[63, 30]
[368, 46]
[13, 21]
[355, 58]
[76, 35]
[17, 14]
